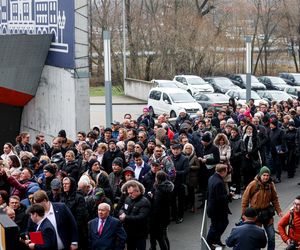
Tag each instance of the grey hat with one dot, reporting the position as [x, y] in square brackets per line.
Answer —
[55, 184]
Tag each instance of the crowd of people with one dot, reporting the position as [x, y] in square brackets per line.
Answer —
[138, 175]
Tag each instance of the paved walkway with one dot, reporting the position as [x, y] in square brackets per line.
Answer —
[116, 100]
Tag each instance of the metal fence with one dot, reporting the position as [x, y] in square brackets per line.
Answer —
[203, 244]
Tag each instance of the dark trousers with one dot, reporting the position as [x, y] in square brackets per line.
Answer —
[277, 162]
[178, 202]
[136, 243]
[217, 228]
[291, 162]
[159, 234]
[236, 177]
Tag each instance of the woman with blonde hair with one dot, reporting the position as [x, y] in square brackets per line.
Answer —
[222, 143]
[193, 174]
[122, 134]
[101, 149]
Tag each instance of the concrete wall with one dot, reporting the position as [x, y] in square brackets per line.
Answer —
[62, 98]
[137, 88]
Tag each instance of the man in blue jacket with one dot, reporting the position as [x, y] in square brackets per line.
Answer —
[106, 232]
[247, 236]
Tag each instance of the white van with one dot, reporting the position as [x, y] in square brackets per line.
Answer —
[170, 101]
[193, 84]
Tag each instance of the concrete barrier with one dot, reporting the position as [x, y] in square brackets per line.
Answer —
[138, 88]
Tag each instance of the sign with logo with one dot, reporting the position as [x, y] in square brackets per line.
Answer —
[54, 17]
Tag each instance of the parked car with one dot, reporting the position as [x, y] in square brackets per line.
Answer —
[193, 84]
[274, 95]
[293, 91]
[240, 80]
[221, 84]
[215, 100]
[170, 101]
[240, 96]
[273, 82]
[291, 78]
[165, 83]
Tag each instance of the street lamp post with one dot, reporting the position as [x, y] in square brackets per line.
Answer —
[248, 67]
[124, 40]
[107, 78]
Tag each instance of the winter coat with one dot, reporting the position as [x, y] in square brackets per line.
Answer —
[148, 182]
[115, 180]
[260, 195]
[75, 201]
[211, 154]
[193, 173]
[276, 139]
[237, 150]
[181, 164]
[137, 212]
[247, 236]
[160, 204]
[108, 158]
[166, 163]
[289, 139]
[294, 231]
[218, 198]
[71, 168]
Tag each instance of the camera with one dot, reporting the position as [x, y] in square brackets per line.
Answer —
[292, 246]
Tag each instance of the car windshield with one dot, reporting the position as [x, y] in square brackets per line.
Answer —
[180, 97]
[297, 77]
[224, 82]
[253, 79]
[254, 95]
[196, 81]
[277, 81]
[167, 84]
[218, 98]
[280, 95]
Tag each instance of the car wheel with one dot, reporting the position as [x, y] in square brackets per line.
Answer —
[190, 92]
[151, 111]
[172, 114]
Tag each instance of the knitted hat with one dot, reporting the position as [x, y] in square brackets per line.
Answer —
[141, 144]
[99, 193]
[55, 184]
[250, 212]
[264, 170]
[50, 169]
[206, 137]
[118, 161]
[62, 133]
[92, 162]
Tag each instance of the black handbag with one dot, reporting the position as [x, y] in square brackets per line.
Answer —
[264, 215]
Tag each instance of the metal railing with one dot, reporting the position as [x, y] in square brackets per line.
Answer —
[203, 233]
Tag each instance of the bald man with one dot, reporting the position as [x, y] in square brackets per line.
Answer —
[104, 230]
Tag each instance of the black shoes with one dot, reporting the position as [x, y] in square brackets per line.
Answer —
[179, 220]
[277, 180]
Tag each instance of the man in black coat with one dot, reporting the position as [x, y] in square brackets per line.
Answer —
[217, 205]
[43, 225]
[109, 156]
[210, 156]
[134, 214]
[181, 164]
[247, 236]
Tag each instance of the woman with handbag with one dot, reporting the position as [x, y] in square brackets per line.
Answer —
[222, 143]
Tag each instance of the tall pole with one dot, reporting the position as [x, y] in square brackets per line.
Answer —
[107, 78]
[248, 67]
[124, 40]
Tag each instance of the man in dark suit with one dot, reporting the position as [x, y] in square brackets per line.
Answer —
[106, 232]
[217, 205]
[43, 225]
[140, 167]
[62, 220]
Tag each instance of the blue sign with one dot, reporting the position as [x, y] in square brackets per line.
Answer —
[43, 17]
